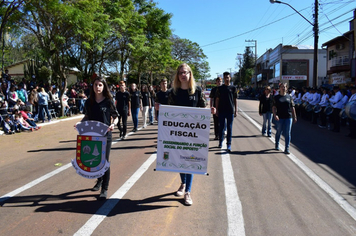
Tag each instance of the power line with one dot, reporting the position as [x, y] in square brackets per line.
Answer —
[223, 40]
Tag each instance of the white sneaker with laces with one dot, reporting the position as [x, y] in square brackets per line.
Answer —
[187, 199]
[181, 190]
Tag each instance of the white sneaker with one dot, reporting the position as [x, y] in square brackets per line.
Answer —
[187, 199]
[181, 190]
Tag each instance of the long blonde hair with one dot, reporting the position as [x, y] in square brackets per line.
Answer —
[177, 84]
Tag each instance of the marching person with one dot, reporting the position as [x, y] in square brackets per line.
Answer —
[226, 109]
[324, 102]
[336, 103]
[186, 93]
[213, 104]
[265, 110]
[123, 106]
[100, 107]
[161, 96]
[284, 114]
[352, 122]
[315, 100]
[146, 103]
[135, 97]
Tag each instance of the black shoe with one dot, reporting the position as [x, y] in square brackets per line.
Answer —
[97, 186]
[134, 130]
[216, 138]
[103, 194]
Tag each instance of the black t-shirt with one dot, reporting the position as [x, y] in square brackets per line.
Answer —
[227, 96]
[145, 99]
[183, 98]
[122, 100]
[284, 106]
[101, 111]
[162, 97]
[213, 95]
[265, 103]
[135, 99]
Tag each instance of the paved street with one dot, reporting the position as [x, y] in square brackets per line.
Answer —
[254, 190]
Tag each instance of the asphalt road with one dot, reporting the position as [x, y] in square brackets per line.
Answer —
[254, 190]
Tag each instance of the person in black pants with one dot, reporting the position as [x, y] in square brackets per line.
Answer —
[100, 107]
[213, 104]
[123, 106]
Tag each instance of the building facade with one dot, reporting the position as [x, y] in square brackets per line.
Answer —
[290, 64]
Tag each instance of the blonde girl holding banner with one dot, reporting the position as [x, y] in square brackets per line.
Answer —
[185, 93]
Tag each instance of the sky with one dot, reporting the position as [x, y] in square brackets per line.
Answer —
[223, 27]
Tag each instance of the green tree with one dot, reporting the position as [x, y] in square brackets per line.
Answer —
[57, 24]
[247, 69]
[9, 16]
[153, 57]
[184, 50]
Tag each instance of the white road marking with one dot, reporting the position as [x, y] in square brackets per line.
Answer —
[49, 175]
[34, 182]
[89, 227]
[321, 183]
[233, 204]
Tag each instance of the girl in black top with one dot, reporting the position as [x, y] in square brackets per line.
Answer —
[146, 103]
[100, 107]
[186, 93]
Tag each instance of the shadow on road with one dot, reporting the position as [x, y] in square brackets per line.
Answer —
[66, 202]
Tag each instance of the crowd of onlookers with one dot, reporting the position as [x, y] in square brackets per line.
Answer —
[24, 103]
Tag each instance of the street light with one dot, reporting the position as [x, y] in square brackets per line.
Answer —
[316, 36]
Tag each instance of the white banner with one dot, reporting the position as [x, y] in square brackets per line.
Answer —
[183, 139]
[294, 77]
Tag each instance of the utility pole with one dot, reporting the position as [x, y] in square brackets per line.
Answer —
[255, 41]
[316, 40]
[316, 35]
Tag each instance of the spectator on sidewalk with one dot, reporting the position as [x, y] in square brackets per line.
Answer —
[43, 99]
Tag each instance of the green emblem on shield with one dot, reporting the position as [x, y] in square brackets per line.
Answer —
[91, 153]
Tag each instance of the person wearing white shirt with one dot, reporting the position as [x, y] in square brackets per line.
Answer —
[305, 98]
[292, 93]
[305, 95]
[324, 102]
[315, 101]
[336, 103]
[352, 122]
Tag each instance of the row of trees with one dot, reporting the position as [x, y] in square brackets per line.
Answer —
[115, 38]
